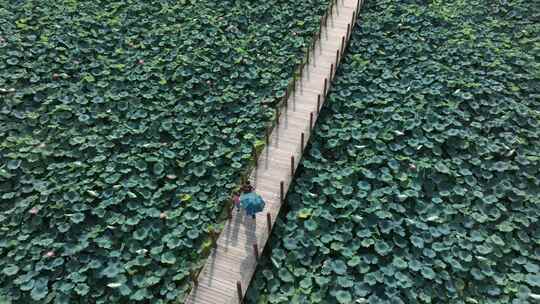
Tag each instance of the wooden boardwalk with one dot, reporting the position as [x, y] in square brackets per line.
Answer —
[234, 260]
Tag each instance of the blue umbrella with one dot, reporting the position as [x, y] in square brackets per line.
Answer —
[252, 202]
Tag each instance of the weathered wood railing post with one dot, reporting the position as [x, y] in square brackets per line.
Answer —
[281, 191]
[269, 222]
[256, 251]
[292, 165]
[239, 291]
[194, 278]
[213, 237]
[302, 141]
[310, 121]
[318, 103]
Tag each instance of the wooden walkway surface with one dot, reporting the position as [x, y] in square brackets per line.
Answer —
[234, 260]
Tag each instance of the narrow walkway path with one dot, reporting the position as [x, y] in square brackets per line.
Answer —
[229, 268]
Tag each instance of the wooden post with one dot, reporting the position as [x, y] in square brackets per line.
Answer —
[194, 279]
[239, 290]
[331, 71]
[213, 235]
[353, 19]
[343, 44]
[256, 251]
[327, 15]
[310, 122]
[269, 222]
[267, 135]
[281, 191]
[292, 165]
[255, 158]
[337, 57]
[302, 141]
[307, 57]
[318, 103]
[325, 85]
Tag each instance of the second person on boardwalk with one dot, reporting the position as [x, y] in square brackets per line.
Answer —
[251, 201]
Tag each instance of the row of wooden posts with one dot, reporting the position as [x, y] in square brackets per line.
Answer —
[291, 89]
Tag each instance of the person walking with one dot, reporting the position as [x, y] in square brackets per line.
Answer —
[251, 201]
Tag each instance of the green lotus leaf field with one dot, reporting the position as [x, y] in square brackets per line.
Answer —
[422, 181]
[124, 126]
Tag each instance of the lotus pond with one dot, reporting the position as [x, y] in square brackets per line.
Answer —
[422, 181]
[124, 125]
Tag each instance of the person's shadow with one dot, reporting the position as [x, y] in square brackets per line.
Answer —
[250, 225]
[233, 226]
[249, 264]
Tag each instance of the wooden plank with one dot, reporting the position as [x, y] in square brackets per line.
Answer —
[233, 259]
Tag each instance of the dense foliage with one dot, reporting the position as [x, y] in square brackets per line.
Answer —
[123, 127]
[422, 182]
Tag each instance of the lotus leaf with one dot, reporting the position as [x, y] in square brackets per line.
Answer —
[10, 270]
[285, 275]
